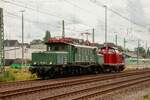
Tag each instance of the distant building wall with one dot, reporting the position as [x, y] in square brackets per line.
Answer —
[38, 46]
[16, 52]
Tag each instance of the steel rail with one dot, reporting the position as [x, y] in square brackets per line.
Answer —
[6, 94]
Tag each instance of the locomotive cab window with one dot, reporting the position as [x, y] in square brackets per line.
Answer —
[117, 51]
[103, 51]
[111, 51]
[56, 48]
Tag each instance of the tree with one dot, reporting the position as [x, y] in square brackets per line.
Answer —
[47, 36]
[141, 51]
[148, 53]
[36, 41]
[119, 48]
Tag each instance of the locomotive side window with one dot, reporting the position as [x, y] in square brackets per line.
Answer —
[104, 50]
[111, 51]
[116, 51]
[56, 48]
[61, 48]
[49, 48]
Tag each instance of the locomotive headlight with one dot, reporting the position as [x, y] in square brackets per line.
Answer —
[34, 63]
[50, 63]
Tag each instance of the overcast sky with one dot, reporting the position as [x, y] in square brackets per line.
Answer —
[79, 16]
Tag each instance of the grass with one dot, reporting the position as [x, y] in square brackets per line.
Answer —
[6, 77]
[12, 74]
[147, 97]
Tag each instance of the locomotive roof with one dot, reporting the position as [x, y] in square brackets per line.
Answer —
[76, 45]
[84, 46]
[110, 47]
[63, 52]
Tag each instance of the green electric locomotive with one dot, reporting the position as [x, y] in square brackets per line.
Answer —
[66, 56]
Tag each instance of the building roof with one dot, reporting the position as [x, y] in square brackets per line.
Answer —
[84, 46]
[11, 43]
[14, 43]
[131, 54]
[25, 44]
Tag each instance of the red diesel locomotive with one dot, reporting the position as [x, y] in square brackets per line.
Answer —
[113, 59]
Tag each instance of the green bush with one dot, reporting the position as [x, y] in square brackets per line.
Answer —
[16, 74]
[6, 76]
[147, 97]
[19, 66]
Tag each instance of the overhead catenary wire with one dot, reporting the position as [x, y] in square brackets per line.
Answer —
[31, 8]
[41, 11]
[88, 11]
[75, 5]
[83, 8]
[52, 15]
[37, 22]
[136, 9]
[46, 12]
[68, 30]
[117, 13]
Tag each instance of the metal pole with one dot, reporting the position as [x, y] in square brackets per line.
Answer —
[146, 46]
[86, 37]
[116, 39]
[63, 29]
[105, 23]
[2, 53]
[138, 51]
[93, 35]
[22, 36]
[146, 49]
[124, 44]
[127, 31]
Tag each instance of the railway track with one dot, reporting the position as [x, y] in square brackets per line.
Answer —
[19, 84]
[134, 77]
[110, 88]
[98, 90]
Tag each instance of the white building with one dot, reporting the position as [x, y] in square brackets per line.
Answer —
[13, 50]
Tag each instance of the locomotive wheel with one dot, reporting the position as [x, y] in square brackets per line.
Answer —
[85, 71]
[52, 73]
[95, 70]
[80, 71]
[115, 69]
[121, 68]
[110, 70]
[76, 71]
[43, 77]
[107, 70]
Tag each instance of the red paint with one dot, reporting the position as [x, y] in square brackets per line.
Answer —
[68, 40]
[111, 55]
[60, 40]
